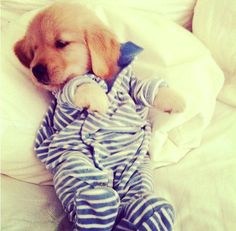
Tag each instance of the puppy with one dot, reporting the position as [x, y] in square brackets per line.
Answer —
[67, 40]
[100, 162]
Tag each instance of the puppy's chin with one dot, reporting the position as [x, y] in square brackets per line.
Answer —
[76, 70]
[61, 81]
[48, 87]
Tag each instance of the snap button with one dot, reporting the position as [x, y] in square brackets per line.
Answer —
[87, 136]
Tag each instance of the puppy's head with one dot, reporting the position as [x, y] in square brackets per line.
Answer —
[66, 40]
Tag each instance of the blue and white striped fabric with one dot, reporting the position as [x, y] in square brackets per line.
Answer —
[100, 162]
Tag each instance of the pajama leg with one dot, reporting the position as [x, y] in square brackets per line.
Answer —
[140, 208]
[84, 194]
[147, 213]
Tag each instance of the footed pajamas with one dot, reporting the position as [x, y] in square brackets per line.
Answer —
[100, 163]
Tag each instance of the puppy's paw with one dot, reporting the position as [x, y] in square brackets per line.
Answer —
[92, 97]
[167, 100]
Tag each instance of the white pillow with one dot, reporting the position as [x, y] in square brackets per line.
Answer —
[179, 11]
[214, 23]
[171, 51]
[11, 10]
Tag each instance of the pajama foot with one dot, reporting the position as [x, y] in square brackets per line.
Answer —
[96, 209]
[147, 213]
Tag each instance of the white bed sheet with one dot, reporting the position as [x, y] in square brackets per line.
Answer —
[201, 187]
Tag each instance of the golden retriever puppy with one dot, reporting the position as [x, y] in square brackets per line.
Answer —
[65, 40]
[68, 40]
[98, 161]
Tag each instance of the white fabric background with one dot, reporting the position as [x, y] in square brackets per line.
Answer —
[201, 187]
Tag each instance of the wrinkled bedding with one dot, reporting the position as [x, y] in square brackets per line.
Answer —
[201, 187]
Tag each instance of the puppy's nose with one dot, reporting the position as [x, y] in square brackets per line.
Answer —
[41, 73]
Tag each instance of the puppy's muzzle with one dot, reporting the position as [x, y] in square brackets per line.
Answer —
[40, 71]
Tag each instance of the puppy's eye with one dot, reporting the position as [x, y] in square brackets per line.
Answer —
[61, 44]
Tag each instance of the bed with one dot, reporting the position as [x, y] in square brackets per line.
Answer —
[193, 153]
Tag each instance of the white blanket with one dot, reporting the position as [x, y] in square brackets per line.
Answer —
[170, 52]
[201, 187]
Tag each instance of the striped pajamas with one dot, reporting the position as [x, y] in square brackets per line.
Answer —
[100, 163]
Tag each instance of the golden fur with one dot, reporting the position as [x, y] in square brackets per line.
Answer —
[67, 40]
[89, 45]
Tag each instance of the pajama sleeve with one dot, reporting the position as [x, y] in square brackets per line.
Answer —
[144, 91]
[65, 97]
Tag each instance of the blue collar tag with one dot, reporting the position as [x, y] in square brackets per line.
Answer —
[128, 51]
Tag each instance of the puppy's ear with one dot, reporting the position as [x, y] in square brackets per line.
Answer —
[23, 53]
[104, 51]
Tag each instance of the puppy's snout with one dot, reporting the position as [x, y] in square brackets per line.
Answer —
[41, 73]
